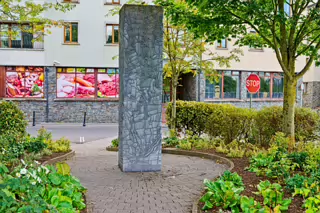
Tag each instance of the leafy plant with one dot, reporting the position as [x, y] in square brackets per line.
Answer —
[249, 205]
[312, 204]
[12, 120]
[35, 145]
[61, 145]
[171, 141]
[222, 194]
[273, 197]
[115, 142]
[233, 177]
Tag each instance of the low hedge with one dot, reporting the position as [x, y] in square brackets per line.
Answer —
[193, 115]
[232, 123]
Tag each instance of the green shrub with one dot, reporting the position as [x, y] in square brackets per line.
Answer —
[192, 115]
[115, 142]
[306, 123]
[230, 123]
[171, 141]
[12, 119]
[269, 120]
[61, 145]
[35, 145]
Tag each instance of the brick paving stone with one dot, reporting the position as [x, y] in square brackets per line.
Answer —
[172, 190]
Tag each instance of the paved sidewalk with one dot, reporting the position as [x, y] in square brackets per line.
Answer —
[109, 190]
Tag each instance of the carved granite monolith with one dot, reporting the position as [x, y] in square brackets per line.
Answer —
[140, 63]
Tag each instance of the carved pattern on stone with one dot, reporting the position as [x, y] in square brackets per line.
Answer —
[141, 44]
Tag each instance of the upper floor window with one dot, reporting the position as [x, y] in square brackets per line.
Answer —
[228, 86]
[112, 33]
[15, 36]
[71, 33]
[112, 2]
[222, 43]
[254, 46]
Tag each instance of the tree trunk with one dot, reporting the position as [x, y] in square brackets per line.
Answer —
[174, 105]
[289, 102]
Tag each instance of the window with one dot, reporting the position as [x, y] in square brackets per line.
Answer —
[287, 8]
[71, 33]
[271, 86]
[227, 87]
[88, 83]
[112, 33]
[112, 1]
[24, 82]
[15, 36]
[254, 46]
[222, 43]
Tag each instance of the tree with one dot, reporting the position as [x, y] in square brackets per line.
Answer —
[183, 54]
[290, 27]
[30, 12]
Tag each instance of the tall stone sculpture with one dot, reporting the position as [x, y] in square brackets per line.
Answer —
[140, 63]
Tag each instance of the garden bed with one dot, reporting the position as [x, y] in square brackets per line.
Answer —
[251, 180]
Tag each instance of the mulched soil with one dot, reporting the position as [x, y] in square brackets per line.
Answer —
[250, 181]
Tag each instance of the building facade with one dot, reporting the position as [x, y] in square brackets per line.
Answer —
[75, 70]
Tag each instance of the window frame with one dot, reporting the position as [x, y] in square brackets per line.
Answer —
[113, 2]
[254, 48]
[221, 85]
[113, 34]
[95, 73]
[219, 44]
[10, 26]
[65, 30]
[271, 77]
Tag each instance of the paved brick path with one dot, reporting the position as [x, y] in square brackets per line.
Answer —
[109, 190]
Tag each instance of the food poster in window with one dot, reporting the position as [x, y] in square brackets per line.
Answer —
[66, 87]
[24, 82]
[85, 84]
[108, 84]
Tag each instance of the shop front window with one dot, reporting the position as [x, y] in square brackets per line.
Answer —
[24, 82]
[227, 87]
[87, 83]
[271, 86]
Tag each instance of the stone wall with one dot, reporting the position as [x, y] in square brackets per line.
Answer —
[311, 95]
[98, 111]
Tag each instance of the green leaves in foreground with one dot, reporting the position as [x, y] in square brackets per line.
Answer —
[226, 192]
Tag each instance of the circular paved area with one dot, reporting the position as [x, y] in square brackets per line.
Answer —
[173, 190]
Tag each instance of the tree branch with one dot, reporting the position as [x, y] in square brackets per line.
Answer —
[308, 65]
[307, 47]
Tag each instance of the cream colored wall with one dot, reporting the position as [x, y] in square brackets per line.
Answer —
[253, 59]
[312, 75]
